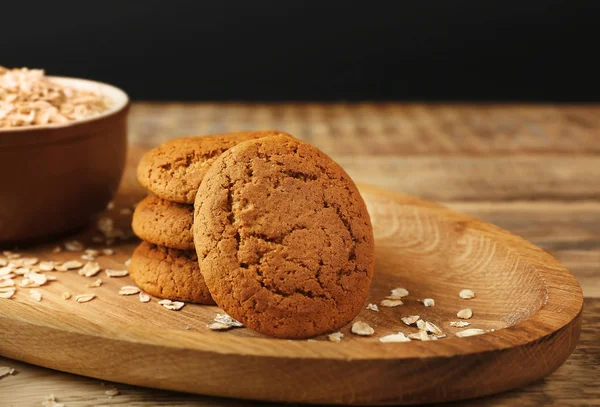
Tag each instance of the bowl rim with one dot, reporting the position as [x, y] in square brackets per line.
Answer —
[117, 95]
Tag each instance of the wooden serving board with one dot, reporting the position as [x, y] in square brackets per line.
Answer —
[531, 302]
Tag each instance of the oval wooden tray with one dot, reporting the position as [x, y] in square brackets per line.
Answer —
[531, 301]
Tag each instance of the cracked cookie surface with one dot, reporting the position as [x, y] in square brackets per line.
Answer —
[284, 239]
[174, 170]
[164, 223]
[169, 273]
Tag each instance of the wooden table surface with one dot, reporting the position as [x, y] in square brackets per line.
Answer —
[531, 169]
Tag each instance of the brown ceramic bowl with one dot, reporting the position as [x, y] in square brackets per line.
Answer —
[54, 178]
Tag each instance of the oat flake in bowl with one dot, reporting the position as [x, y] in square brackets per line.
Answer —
[29, 98]
[63, 145]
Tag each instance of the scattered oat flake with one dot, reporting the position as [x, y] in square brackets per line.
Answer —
[466, 294]
[22, 271]
[411, 319]
[144, 297]
[51, 402]
[112, 392]
[72, 264]
[51, 278]
[36, 295]
[465, 313]
[88, 257]
[128, 262]
[84, 297]
[90, 269]
[7, 270]
[5, 371]
[391, 303]
[129, 290]
[228, 320]
[108, 252]
[3, 262]
[125, 211]
[399, 292]
[29, 261]
[74, 246]
[95, 284]
[373, 307]
[217, 326]
[399, 337]
[110, 206]
[429, 302]
[470, 332]
[11, 255]
[335, 337]
[57, 249]
[8, 282]
[33, 280]
[420, 336]
[421, 324]
[433, 328]
[172, 305]
[362, 329]
[66, 295]
[7, 294]
[46, 266]
[459, 324]
[116, 273]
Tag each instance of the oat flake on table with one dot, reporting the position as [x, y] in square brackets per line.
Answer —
[335, 337]
[84, 297]
[116, 273]
[362, 329]
[172, 305]
[429, 302]
[90, 269]
[5, 371]
[7, 294]
[470, 332]
[36, 295]
[391, 303]
[466, 313]
[466, 294]
[399, 337]
[129, 290]
[372, 307]
[459, 324]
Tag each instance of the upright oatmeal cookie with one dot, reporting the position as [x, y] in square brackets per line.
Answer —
[174, 170]
[284, 239]
[164, 223]
[168, 273]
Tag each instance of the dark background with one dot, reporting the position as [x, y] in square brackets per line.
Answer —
[295, 50]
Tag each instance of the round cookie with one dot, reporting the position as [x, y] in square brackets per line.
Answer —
[284, 239]
[168, 273]
[174, 170]
[164, 223]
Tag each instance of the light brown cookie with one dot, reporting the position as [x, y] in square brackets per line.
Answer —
[168, 273]
[284, 239]
[164, 223]
[174, 170]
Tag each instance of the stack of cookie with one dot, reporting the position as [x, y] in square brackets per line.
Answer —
[283, 240]
[165, 264]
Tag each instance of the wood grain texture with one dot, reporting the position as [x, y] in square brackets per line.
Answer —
[385, 129]
[571, 385]
[564, 222]
[531, 301]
